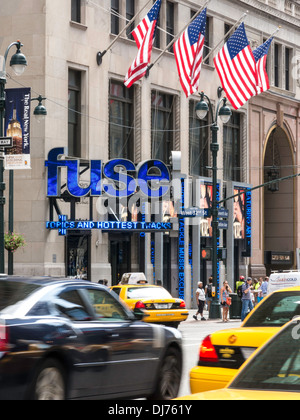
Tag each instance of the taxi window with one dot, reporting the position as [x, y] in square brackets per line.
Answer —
[276, 310]
[106, 307]
[117, 290]
[281, 365]
[148, 293]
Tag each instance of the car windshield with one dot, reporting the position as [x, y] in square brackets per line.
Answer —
[276, 366]
[12, 292]
[148, 293]
[276, 310]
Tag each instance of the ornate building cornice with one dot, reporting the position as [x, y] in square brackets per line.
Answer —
[280, 13]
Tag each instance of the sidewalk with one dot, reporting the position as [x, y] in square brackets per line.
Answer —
[206, 316]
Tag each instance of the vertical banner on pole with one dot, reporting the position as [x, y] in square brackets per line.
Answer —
[181, 245]
[17, 126]
[218, 243]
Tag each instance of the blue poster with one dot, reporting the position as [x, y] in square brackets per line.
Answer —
[17, 126]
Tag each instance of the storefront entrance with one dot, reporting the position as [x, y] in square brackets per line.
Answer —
[78, 259]
[279, 212]
[120, 256]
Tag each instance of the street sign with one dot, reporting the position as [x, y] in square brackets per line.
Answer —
[223, 213]
[194, 212]
[223, 224]
[6, 142]
[222, 253]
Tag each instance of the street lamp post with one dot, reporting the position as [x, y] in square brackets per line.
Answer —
[18, 63]
[224, 113]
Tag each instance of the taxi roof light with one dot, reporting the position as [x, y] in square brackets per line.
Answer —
[133, 278]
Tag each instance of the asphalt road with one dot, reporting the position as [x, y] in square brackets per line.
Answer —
[193, 332]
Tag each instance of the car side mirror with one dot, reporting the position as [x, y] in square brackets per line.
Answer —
[139, 314]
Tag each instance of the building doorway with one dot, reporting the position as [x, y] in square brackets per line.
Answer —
[279, 203]
[120, 256]
[78, 255]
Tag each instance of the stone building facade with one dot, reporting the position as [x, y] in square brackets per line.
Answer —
[96, 117]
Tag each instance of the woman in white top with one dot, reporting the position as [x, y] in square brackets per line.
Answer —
[200, 297]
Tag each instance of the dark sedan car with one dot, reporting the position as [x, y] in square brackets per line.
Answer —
[66, 339]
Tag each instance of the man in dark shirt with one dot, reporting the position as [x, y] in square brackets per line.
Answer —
[246, 298]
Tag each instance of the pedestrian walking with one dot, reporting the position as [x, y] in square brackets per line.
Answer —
[225, 300]
[264, 287]
[240, 282]
[260, 293]
[246, 298]
[200, 297]
[208, 293]
[255, 288]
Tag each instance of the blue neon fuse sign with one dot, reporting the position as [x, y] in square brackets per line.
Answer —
[118, 178]
[63, 225]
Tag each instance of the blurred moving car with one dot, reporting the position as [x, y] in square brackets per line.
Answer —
[223, 353]
[157, 303]
[272, 372]
[70, 339]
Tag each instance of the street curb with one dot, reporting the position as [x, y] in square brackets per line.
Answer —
[192, 312]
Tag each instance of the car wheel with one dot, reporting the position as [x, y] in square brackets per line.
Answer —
[50, 383]
[169, 378]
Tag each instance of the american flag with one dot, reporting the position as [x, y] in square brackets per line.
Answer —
[144, 35]
[188, 50]
[260, 55]
[236, 67]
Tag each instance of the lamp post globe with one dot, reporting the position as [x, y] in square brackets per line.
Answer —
[225, 113]
[201, 109]
[18, 62]
[40, 110]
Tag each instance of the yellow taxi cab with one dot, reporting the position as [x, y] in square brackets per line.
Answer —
[222, 353]
[156, 302]
[271, 373]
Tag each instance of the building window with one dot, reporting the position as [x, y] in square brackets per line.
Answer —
[207, 41]
[162, 112]
[74, 115]
[227, 28]
[277, 65]
[121, 121]
[157, 39]
[288, 57]
[199, 142]
[282, 64]
[231, 149]
[115, 12]
[130, 12]
[170, 24]
[76, 11]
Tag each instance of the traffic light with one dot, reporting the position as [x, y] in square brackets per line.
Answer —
[206, 254]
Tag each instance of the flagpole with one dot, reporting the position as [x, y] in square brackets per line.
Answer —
[100, 54]
[176, 38]
[226, 35]
[274, 33]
